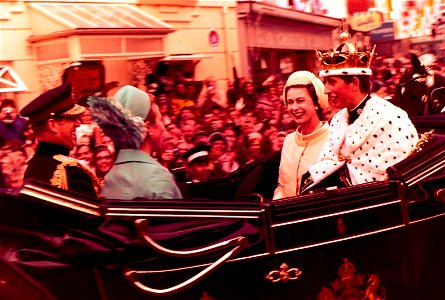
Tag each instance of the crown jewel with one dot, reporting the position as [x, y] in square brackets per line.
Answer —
[349, 62]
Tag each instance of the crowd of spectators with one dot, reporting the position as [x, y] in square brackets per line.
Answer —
[241, 125]
[238, 131]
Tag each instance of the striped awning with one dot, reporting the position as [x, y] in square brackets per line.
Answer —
[10, 81]
[97, 15]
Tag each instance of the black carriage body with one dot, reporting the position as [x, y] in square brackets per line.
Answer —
[381, 239]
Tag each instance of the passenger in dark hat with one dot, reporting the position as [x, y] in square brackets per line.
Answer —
[199, 166]
[54, 118]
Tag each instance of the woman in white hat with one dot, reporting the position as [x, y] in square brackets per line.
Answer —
[305, 101]
[135, 126]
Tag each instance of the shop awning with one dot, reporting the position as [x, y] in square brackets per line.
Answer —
[66, 32]
[185, 57]
[247, 7]
[72, 16]
[10, 81]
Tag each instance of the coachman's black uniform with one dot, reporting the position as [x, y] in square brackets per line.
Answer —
[51, 164]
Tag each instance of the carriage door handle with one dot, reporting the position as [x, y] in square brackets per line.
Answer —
[239, 243]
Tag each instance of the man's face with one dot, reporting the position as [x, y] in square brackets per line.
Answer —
[191, 90]
[15, 179]
[6, 165]
[287, 119]
[157, 129]
[278, 142]
[65, 131]
[186, 114]
[329, 112]
[231, 138]
[271, 130]
[104, 161]
[218, 148]
[180, 88]
[8, 114]
[234, 115]
[174, 129]
[188, 128]
[216, 124]
[84, 153]
[248, 88]
[86, 118]
[200, 170]
[182, 148]
[255, 145]
[201, 139]
[211, 87]
[338, 92]
[208, 117]
[17, 158]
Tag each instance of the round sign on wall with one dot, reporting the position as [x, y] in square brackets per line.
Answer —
[213, 38]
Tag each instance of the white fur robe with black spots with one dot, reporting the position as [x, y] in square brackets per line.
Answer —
[382, 136]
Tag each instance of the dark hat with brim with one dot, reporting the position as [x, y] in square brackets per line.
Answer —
[199, 133]
[56, 102]
[197, 153]
[217, 136]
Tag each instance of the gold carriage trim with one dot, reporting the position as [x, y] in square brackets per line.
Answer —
[353, 285]
[424, 138]
[60, 178]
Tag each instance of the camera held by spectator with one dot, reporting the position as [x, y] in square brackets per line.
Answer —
[8, 111]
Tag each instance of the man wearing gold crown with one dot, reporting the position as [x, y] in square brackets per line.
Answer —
[368, 134]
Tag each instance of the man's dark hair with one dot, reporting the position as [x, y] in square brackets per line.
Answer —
[7, 103]
[364, 81]
[233, 127]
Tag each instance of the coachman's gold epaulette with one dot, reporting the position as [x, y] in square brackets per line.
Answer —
[60, 178]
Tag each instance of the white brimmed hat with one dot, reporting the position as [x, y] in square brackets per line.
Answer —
[307, 78]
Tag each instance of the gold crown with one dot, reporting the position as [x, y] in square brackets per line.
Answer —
[346, 270]
[352, 62]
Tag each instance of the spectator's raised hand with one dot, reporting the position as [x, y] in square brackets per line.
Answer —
[240, 104]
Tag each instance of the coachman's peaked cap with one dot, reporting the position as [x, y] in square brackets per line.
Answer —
[56, 102]
[197, 153]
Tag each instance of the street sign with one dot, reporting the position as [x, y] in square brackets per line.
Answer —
[383, 33]
[366, 20]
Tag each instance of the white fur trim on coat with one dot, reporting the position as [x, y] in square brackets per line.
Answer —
[382, 136]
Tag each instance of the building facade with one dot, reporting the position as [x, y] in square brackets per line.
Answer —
[278, 40]
[199, 38]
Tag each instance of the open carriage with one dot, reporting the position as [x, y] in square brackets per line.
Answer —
[379, 240]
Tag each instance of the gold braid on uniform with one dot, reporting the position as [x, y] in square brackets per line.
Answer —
[60, 178]
[96, 181]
